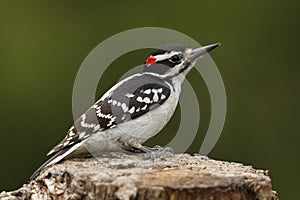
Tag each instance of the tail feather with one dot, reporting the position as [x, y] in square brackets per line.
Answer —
[59, 156]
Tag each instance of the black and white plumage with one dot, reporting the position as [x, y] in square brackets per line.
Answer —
[133, 110]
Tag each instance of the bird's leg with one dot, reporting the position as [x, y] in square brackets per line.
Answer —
[158, 148]
[154, 152]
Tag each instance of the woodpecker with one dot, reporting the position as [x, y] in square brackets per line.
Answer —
[133, 110]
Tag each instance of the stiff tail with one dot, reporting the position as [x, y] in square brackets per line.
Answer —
[55, 159]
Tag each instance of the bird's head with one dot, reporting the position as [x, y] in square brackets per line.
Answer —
[173, 60]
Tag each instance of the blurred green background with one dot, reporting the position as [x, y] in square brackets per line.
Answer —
[42, 45]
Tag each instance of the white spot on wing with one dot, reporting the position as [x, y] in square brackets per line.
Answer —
[96, 128]
[147, 100]
[140, 99]
[111, 121]
[144, 108]
[86, 125]
[148, 91]
[100, 114]
[132, 110]
[155, 97]
[129, 95]
[113, 126]
[124, 107]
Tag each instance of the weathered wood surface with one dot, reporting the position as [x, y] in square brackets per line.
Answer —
[122, 176]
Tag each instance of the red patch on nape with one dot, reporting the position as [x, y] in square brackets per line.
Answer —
[150, 60]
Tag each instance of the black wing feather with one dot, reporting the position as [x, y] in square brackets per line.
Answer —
[130, 100]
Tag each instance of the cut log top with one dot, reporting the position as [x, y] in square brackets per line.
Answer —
[122, 176]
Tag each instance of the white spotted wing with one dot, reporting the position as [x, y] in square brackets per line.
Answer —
[127, 100]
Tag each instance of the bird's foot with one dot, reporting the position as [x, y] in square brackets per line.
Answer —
[157, 152]
[152, 152]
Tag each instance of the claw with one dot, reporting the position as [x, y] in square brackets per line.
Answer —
[158, 151]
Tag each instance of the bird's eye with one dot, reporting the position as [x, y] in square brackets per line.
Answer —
[176, 58]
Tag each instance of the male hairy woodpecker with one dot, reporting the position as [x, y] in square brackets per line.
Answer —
[133, 110]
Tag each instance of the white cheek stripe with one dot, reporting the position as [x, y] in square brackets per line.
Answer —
[166, 55]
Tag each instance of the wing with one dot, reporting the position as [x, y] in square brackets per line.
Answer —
[127, 100]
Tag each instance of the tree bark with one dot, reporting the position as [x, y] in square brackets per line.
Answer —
[123, 176]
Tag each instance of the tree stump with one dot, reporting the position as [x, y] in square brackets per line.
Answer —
[123, 176]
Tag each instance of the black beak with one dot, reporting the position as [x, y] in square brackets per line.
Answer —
[198, 52]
